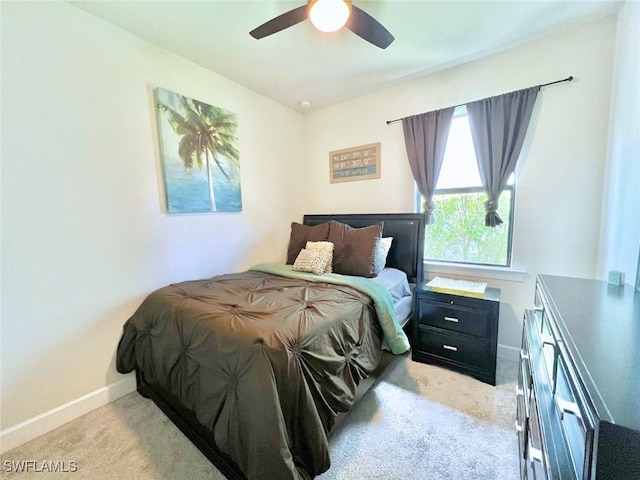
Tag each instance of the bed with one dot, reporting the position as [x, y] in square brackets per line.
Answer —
[255, 367]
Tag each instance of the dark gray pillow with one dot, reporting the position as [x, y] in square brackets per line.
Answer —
[300, 234]
[354, 248]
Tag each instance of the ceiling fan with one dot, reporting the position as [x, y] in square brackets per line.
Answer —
[329, 16]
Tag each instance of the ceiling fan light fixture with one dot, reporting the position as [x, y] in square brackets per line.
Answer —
[329, 15]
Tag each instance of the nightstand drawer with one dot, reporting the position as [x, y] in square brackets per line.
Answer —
[454, 346]
[472, 321]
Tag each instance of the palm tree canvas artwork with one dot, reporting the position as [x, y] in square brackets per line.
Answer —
[199, 155]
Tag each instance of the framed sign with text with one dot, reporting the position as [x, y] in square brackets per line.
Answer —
[356, 163]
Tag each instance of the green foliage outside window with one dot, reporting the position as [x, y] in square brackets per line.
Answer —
[459, 233]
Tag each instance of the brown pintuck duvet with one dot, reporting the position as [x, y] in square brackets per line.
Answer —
[265, 362]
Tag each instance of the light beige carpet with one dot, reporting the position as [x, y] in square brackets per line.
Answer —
[417, 422]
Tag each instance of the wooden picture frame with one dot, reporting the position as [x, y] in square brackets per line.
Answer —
[355, 163]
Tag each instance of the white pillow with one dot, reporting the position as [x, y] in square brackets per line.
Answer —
[313, 261]
[380, 253]
[326, 247]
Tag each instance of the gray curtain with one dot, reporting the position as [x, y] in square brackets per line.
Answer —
[425, 137]
[498, 127]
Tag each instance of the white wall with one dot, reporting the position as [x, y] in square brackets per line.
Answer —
[559, 189]
[84, 233]
[620, 240]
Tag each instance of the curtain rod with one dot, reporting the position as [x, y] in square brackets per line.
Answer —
[568, 79]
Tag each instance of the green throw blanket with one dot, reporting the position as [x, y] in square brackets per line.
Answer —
[394, 340]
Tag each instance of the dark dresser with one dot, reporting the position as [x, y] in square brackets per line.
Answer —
[578, 396]
[457, 330]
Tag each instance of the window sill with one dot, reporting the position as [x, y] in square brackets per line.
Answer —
[475, 271]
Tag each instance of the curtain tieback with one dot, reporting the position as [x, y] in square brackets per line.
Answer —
[491, 205]
[492, 219]
[429, 207]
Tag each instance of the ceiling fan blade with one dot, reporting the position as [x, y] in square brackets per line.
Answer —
[280, 22]
[367, 27]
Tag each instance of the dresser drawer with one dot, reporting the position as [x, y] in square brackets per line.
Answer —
[525, 379]
[575, 417]
[472, 321]
[547, 335]
[522, 422]
[455, 346]
[536, 462]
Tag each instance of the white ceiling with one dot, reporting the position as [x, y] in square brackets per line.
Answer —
[300, 63]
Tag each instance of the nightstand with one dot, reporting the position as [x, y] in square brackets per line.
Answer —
[457, 330]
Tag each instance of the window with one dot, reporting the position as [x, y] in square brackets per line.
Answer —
[458, 233]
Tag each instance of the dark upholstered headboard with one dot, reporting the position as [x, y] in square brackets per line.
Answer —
[407, 230]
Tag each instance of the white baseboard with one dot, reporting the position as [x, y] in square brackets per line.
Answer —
[508, 353]
[34, 427]
[15, 436]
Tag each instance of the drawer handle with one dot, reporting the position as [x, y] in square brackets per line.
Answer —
[571, 408]
[518, 427]
[519, 392]
[451, 319]
[535, 454]
[449, 347]
[523, 354]
[548, 340]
